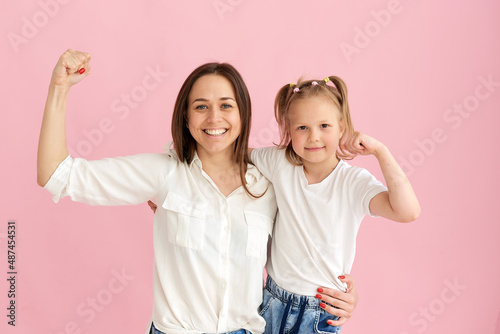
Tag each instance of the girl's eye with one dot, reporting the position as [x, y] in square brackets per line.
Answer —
[303, 127]
[324, 126]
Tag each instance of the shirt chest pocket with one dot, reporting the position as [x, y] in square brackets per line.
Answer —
[259, 229]
[185, 223]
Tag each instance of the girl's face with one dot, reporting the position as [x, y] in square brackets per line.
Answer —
[213, 115]
[315, 130]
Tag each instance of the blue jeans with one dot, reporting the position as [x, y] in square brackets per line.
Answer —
[289, 313]
[153, 330]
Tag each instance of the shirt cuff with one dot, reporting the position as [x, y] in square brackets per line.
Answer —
[372, 194]
[59, 180]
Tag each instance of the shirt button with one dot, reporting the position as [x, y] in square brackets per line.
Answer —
[222, 257]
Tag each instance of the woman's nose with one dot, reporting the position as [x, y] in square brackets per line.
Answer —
[214, 115]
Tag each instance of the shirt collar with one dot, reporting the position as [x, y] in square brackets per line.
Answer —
[196, 160]
[251, 175]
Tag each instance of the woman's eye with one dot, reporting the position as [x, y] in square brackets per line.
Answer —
[201, 107]
[225, 106]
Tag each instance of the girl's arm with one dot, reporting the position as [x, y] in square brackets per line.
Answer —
[52, 149]
[399, 203]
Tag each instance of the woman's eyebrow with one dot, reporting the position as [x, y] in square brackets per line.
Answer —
[200, 99]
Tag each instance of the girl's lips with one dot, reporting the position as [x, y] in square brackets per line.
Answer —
[314, 149]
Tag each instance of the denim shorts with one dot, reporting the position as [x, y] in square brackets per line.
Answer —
[289, 313]
[154, 330]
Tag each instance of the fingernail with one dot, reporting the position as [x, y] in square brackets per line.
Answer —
[81, 71]
[322, 305]
[329, 322]
[342, 277]
[318, 296]
[320, 290]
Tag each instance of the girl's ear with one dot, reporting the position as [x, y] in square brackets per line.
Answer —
[342, 129]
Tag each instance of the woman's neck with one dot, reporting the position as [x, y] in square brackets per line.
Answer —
[223, 170]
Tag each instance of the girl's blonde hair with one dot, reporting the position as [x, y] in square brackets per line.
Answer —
[331, 87]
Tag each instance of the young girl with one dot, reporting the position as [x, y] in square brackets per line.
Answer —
[321, 202]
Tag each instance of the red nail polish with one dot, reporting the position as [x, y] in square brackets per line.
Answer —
[322, 305]
[329, 322]
[342, 277]
[320, 290]
[318, 296]
[81, 71]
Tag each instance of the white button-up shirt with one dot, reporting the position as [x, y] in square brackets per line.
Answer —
[210, 250]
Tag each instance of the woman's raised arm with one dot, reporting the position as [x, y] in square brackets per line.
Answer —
[72, 67]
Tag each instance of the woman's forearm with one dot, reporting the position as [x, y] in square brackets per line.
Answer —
[71, 68]
[52, 149]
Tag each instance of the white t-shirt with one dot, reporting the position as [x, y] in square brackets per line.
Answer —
[210, 250]
[314, 240]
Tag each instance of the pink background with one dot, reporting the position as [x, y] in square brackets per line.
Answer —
[407, 64]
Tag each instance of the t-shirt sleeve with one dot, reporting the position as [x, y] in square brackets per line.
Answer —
[266, 160]
[364, 187]
[113, 181]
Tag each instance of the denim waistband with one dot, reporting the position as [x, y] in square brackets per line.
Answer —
[296, 300]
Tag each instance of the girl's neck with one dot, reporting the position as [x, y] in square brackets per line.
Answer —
[317, 172]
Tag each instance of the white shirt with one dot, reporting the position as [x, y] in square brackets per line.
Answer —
[314, 239]
[210, 250]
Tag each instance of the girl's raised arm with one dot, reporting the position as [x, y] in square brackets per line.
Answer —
[72, 67]
[399, 203]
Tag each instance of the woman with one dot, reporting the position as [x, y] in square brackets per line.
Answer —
[215, 210]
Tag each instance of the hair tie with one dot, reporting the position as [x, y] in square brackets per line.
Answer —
[314, 83]
[296, 90]
[326, 79]
[292, 84]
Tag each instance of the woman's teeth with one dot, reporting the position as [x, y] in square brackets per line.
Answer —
[216, 132]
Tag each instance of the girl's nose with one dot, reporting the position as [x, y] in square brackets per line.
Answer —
[313, 135]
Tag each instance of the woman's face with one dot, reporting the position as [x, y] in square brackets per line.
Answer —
[213, 115]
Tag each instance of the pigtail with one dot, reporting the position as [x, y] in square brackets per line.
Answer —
[341, 89]
[280, 106]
